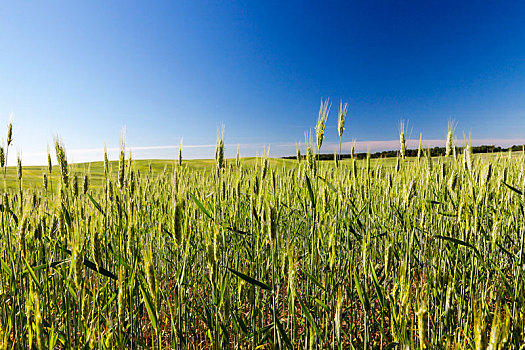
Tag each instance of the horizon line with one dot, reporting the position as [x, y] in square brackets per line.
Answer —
[279, 149]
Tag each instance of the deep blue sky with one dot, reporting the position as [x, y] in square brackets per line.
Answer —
[167, 70]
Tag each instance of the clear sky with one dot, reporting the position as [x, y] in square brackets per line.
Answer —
[179, 69]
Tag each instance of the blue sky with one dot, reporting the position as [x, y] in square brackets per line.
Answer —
[179, 69]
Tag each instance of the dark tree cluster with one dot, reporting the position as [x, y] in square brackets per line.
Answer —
[435, 152]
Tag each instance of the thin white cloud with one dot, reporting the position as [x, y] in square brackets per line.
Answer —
[173, 147]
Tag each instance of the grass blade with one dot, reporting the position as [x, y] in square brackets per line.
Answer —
[458, 242]
[512, 188]
[361, 293]
[310, 191]
[309, 317]
[250, 279]
[95, 203]
[201, 206]
[149, 306]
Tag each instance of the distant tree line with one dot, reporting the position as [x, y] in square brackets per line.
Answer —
[434, 151]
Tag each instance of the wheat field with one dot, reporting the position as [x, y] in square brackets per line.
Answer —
[264, 254]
